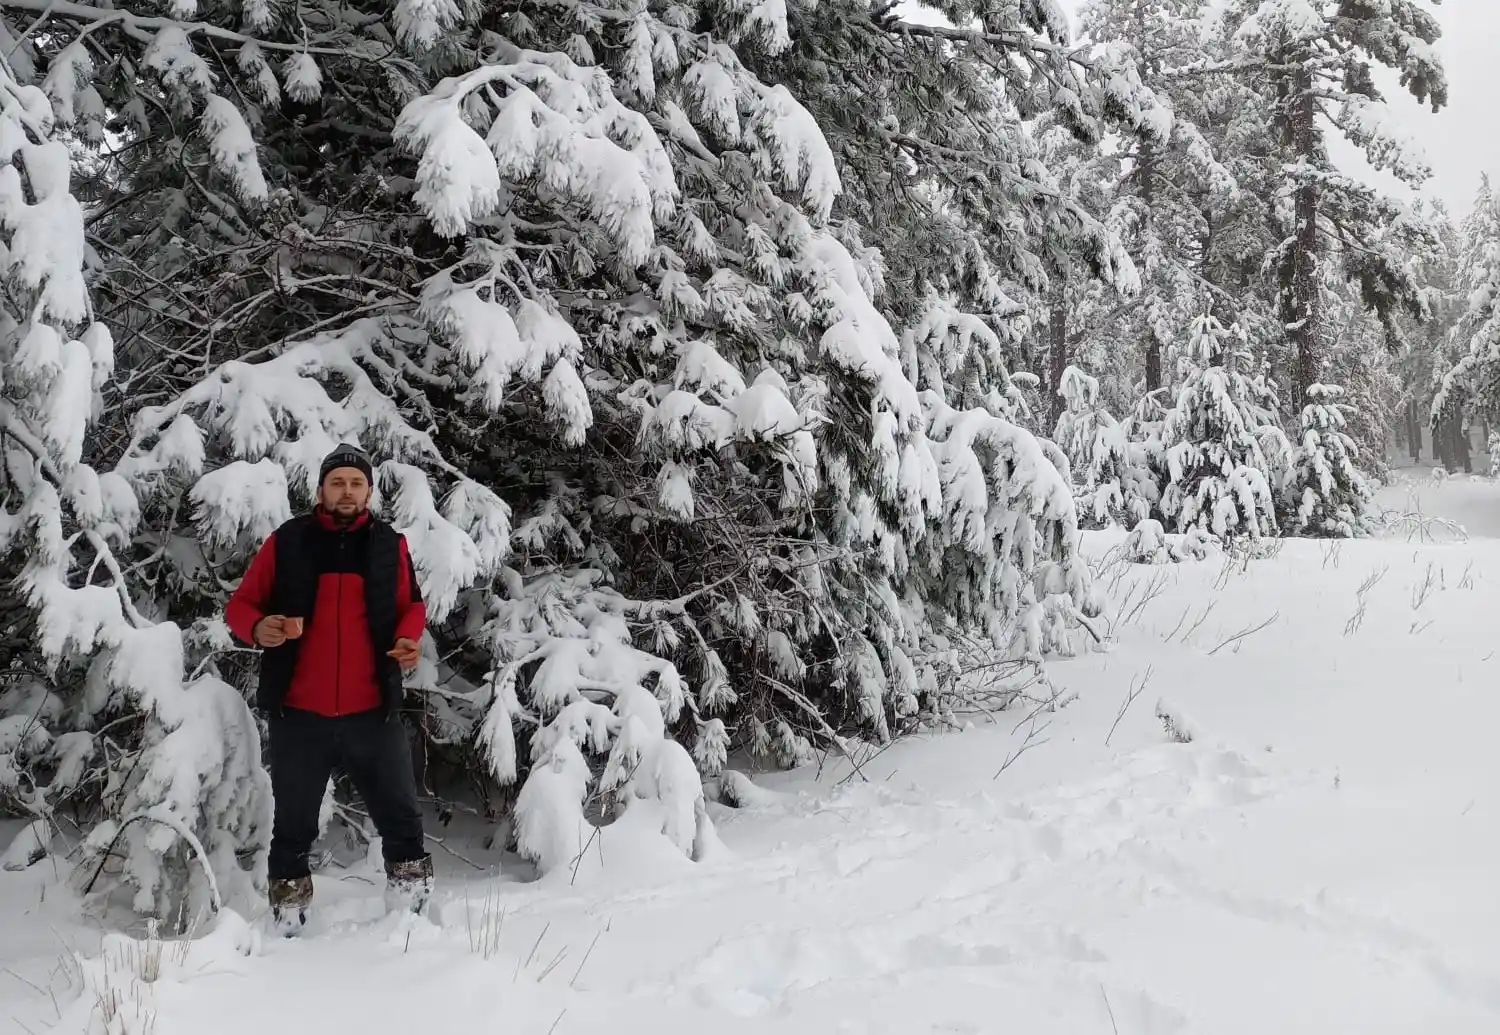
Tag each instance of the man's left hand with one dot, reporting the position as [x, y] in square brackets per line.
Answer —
[406, 652]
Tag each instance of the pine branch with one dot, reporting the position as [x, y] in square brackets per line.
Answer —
[136, 26]
[1009, 39]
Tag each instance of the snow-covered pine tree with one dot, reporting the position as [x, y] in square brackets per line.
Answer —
[108, 713]
[1363, 360]
[1469, 365]
[1178, 209]
[1325, 493]
[938, 152]
[1264, 413]
[1235, 231]
[1211, 442]
[1065, 313]
[576, 275]
[985, 455]
[1315, 61]
[933, 132]
[1112, 479]
[1173, 198]
[1431, 348]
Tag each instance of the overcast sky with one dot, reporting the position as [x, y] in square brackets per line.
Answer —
[1463, 139]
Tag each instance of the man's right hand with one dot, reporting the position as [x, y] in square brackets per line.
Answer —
[270, 631]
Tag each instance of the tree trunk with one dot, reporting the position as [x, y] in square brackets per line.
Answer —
[1302, 283]
[1147, 172]
[1452, 444]
[1057, 361]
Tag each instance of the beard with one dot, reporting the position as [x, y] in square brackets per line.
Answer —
[344, 511]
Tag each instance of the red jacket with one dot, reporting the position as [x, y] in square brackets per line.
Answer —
[335, 669]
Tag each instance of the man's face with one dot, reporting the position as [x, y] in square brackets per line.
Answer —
[345, 492]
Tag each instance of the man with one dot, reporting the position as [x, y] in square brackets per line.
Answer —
[332, 599]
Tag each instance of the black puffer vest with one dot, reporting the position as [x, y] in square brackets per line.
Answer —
[305, 551]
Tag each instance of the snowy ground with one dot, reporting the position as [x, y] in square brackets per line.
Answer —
[1470, 501]
[1319, 858]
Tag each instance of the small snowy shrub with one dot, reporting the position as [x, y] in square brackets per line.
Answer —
[1112, 479]
[1325, 491]
[1211, 442]
[1149, 543]
[1179, 728]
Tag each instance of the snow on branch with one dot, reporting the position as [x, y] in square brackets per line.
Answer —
[555, 120]
[1009, 529]
[1372, 127]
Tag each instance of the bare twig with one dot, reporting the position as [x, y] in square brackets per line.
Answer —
[586, 955]
[1424, 590]
[1243, 633]
[1357, 619]
[1202, 617]
[1136, 688]
[1112, 1022]
[1155, 587]
[1030, 742]
[535, 946]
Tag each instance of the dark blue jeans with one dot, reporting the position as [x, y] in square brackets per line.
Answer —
[303, 750]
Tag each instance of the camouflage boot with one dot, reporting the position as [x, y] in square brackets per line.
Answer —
[290, 898]
[408, 884]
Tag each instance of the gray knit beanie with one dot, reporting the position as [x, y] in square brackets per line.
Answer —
[346, 456]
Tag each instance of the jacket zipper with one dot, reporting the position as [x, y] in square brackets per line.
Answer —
[338, 654]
